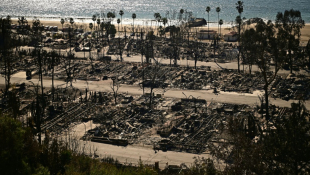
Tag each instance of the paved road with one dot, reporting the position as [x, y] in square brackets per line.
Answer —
[223, 97]
[181, 62]
[131, 154]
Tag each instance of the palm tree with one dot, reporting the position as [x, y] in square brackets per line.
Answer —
[91, 29]
[208, 9]
[181, 14]
[98, 23]
[71, 21]
[165, 21]
[62, 21]
[218, 9]
[94, 18]
[118, 21]
[121, 12]
[239, 7]
[134, 16]
[157, 17]
[22, 21]
[220, 23]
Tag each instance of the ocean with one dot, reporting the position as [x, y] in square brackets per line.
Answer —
[145, 9]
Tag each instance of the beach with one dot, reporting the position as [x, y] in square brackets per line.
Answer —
[305, 31]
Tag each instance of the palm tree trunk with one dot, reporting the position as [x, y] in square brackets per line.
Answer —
[53, 89]
[208, 27]
[290, 61]
[239, 49]
[218, 18]
[267, 102]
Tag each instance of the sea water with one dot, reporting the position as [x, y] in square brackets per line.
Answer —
[145, 9]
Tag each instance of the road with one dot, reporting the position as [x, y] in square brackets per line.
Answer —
[181, 62]
[208, 95]
[131, 154]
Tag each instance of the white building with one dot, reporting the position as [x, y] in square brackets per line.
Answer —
[203, 34]
[231, 37]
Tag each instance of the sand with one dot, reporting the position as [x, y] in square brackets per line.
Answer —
[305, 32]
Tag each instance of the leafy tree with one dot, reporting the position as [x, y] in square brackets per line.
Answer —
[7, 45]
[202, 165]
[19, 153]
[36, 24]
[249, 49]
[111, 15]
[280, 148]
[289, 25]
[22, 21]
[307, 49]
[263, 33]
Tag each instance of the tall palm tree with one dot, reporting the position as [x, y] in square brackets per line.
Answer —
[71, 21]
[181, 14]
[91, 29]
[118, 21]
[134, 16]
[62, 21]
[218, 9]
[121, 12]
[157, 17]
[220, 23]
[208, 9]
[98, 23]
[94, 18]
[165, 21]
[22, 21]
[239, 7]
